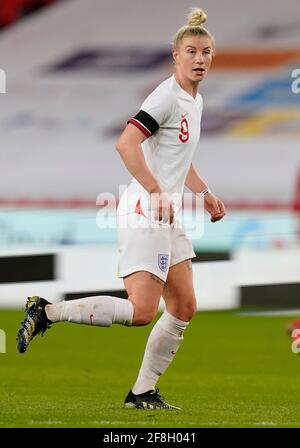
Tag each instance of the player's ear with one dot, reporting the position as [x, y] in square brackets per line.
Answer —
[175, 55]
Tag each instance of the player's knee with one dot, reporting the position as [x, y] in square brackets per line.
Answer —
[187, 312]
[143, 316]
[147, 319]
[191, 311]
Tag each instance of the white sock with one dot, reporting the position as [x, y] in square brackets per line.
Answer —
[162, 345]
[98, 310]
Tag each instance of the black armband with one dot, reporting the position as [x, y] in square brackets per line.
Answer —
[145, 123]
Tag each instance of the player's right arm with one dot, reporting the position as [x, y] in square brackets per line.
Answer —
[130, 149]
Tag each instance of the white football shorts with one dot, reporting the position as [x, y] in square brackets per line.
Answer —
[146, 245]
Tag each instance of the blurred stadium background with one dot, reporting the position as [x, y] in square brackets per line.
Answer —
[75, 71]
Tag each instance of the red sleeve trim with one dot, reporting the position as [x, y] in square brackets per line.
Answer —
[140, 127]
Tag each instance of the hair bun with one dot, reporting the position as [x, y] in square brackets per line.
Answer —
[197, 17]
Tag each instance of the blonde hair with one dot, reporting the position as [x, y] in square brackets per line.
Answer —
[194, 27]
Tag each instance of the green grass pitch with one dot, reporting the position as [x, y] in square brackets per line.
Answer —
[231, 371]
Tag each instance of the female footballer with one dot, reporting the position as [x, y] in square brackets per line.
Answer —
[157, 147]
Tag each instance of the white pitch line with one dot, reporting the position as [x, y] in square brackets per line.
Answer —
[191, 424]
[48, 422]
[270, 313]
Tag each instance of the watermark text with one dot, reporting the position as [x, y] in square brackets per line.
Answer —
[296, 341]
[2, 341]
[139, 210]
[296, 83]
[2, 81]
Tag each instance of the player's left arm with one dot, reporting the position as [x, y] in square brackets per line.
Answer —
[213, 205]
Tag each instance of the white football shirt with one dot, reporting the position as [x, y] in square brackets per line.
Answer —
[170, 118]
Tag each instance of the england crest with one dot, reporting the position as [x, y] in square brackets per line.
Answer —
[163, 261]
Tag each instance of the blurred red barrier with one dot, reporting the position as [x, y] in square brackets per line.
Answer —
[12, 10]
[296, 202]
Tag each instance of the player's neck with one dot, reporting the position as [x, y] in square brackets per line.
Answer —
[190, 87]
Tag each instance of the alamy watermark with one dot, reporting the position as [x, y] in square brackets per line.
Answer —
[296, 341]
[2, 341]
[139, 210]
[2, 81]
[296, 83]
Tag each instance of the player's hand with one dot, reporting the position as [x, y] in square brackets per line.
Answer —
[162, 207]
[214, 207]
